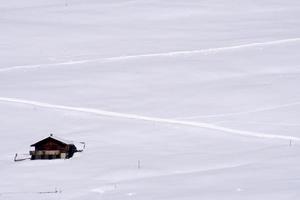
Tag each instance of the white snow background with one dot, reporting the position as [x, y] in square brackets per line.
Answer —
[204, 93]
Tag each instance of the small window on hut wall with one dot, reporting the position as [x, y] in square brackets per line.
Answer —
[63, 155]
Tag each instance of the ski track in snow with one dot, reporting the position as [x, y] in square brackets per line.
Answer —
[167, 54]
[151, 119]
[270, 108]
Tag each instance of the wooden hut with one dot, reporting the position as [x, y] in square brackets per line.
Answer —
[53, 148]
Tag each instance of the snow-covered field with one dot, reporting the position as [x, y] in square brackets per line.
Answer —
[204, 93]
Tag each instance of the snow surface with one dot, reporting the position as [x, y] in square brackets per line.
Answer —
[204, 94]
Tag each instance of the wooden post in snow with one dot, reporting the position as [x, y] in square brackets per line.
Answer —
[139, 164]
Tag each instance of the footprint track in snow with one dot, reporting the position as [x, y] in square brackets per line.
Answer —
[151, 55]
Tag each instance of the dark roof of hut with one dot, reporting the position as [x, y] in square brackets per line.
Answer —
[62, 141]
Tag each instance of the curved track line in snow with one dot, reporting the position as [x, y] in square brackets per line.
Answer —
[243, 112]
[166, 54]
[151, 119]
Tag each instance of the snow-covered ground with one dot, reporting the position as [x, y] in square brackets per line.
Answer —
[205, 94]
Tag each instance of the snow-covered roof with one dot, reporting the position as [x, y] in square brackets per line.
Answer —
[55, 138]
[62, 140]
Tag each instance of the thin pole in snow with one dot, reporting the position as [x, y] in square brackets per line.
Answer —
[139, 164]
[290, 143]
